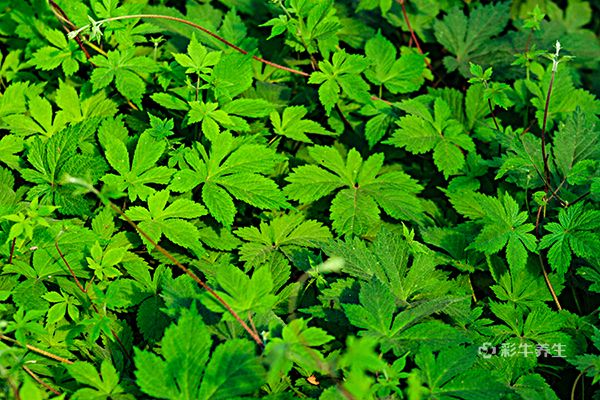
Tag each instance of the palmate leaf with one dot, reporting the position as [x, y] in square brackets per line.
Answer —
[282, 234]
[233, 167]
[575, 233]
[400, 332]
[341, 74]
[503, 225]
[125, 69]
[578, 139]
[185, 352]
[366, 188]
[291, 124]
[408, 275]
[135, 177]
[469, 39]
[421, 132]
[58, 157]
[451, 374]
[61, 53]
[76, 107]
[160, 219]
[105, 384]
[198, 59]
[398, 76]
[10, 145]
[565, 97]
[229, 116]
[246, 295]
[297, 345]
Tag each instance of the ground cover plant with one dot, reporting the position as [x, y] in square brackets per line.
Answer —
[350, 199]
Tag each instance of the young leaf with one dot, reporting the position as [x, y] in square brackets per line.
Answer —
[125, 69]
[578, 139]
[61, 53]
[283, 234]
[185, 352]
[198, 59]
[452, 375]
[233, 371]
[246, 295]
[503, 225]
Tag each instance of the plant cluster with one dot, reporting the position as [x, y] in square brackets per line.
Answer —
[351, 199]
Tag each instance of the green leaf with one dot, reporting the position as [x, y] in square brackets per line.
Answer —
[398, 76]
[185, 352]
[292, 125]
[375, 311]
[578, 139]
[198, 59]
[133, 178]
[283, 234]
[233, 370]
[421, 132]
[342, 74]
[160, 219]
[450, 375]
[470, 39]
[504, 225]
[576, 232]
[126, 69]
[233, 167]
[10, 145]
[355, 209]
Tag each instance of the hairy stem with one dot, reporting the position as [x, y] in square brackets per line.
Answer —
[36, 350]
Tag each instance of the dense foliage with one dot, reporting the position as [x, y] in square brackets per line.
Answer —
[352, 199]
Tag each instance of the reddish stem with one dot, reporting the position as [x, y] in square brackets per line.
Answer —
[253, 333]
[412, 32]
[214, 35]
[12, 250]
[63, 18]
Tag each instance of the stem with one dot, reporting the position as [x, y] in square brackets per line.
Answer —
[41, 382]
[255, 336]
[69, 267]
[84, 291]
[538, 221]
[544, 155]
[12, 250]
[36, 350]
[189, 273]
[412, 32]
[64, 19]
[575, 384]
[199, 27]
[493, 115]
[555, 62]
